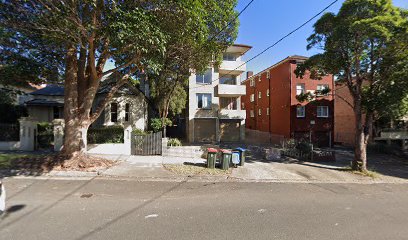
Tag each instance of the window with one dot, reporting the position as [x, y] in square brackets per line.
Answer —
[252, 97]
[322, 87]
[204, 78]
[259, 78]
[323, 111]
[267, 111]
[300, 88]
[114, 112]
[252, 113]
[300, 111]
[228, 103]
[56, 113]
[229, 57]
[252, 83]
[259, 94]
[204, 100]
[243, 106]
[268, 75]
[228, 79]
[127, 112]
[259, 112]
[267, 92]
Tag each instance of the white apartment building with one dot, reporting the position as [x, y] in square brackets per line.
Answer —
[214, 106]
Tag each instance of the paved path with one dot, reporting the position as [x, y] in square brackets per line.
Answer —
[113, 209]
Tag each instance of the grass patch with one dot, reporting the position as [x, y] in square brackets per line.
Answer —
[195, 169]
[6, 160]
[368, 173]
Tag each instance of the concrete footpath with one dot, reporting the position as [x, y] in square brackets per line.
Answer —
[151, 167]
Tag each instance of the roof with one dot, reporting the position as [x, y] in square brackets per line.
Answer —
[289, 58]
[239, 48]
[44, 102]
[50, 90]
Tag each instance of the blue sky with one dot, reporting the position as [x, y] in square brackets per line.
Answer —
[266, 21]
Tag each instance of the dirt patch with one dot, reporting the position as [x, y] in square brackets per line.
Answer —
[46, 163]
[195, 169]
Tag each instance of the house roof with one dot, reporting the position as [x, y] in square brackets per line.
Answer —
[289, 58]
[44, 102]
[50, 90]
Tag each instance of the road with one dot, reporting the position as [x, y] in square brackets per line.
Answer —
[127, 209]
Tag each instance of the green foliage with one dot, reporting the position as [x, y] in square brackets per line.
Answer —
[110, 134]
[9, 112]
[140, 132]
[157, 124]
[174, 142]
[45, 135]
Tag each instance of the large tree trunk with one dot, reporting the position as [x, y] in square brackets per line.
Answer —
[359, 162]
[71, 134]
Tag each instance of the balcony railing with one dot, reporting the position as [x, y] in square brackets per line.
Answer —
[232, 67]
[231, 114]
[226, 90]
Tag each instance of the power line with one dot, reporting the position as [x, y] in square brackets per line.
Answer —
[275, 43]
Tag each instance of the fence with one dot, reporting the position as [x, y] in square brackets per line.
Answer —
[150, 144]
[9, 132]
[112, 134]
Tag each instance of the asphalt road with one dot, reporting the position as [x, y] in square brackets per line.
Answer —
[119, 209]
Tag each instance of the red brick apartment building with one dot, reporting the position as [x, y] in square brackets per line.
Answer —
[271, 105]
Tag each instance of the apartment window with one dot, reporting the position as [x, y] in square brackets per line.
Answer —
[300, 111]
[228, 103]
[204, 100]
[243, 106]
[323, 111]
[259, 78]
[252, 83]
[300, 88]
[228, 79]
[259, 94]
[322, 87]
[268, 75]
[114, 112]
[204, 78]
[267, 92]
[127, 112]
[267, 111]
[251, 113]
[252, 99]
[229, 57]
[259, 112]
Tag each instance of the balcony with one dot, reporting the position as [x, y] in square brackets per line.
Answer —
[232, 67]
[226, 90]
[231, 114]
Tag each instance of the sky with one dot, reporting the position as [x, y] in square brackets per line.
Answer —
[266, 21]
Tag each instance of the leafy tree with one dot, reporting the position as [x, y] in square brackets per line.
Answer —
[82, 35]
[365, 45]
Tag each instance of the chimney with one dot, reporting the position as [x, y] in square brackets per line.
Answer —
[249, 74]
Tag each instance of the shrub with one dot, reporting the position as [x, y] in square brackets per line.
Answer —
[384, 148]
[156, 124]
[110, 134]
[140, 132]
[174, 142]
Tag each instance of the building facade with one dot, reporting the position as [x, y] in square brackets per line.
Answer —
[271, 104]
[214, 100]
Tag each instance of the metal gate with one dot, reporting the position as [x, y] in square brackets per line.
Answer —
[150, 144]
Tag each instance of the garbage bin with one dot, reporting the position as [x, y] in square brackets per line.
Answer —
[211, 157]
[235, 158]
[241, 155]
[225, 159]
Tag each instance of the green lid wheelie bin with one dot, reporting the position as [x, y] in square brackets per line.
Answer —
[211, 157]
[242, 155]
[225, 159]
